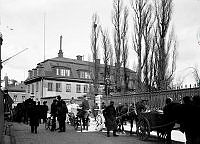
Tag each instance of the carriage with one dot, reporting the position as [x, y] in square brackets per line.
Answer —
[153, 121]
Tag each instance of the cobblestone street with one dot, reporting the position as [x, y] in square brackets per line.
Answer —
[22, 135]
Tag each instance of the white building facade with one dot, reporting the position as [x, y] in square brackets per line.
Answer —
[62, 76]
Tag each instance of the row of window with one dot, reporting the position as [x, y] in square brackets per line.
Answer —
[66, 73]
[62, 72]
[15, 98]
[58, 87]
[33, 87]
[68, 87]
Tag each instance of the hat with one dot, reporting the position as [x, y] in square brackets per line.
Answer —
[59, 97]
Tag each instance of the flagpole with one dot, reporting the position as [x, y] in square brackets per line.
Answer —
[44, 30]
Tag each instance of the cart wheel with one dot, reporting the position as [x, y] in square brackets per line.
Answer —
[143, 130]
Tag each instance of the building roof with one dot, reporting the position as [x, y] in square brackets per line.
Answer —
[47, 70]
[17, 88]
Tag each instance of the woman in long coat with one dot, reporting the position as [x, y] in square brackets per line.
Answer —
[34, 117]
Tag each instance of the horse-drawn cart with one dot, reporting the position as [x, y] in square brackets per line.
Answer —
[153, 121]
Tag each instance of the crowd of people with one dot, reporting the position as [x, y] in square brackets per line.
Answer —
[31, 113]
[186, 114]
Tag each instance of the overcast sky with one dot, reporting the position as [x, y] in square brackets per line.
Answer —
[72, 19]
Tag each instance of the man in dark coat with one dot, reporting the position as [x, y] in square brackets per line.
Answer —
[62, 110]
[110, 119]
[44, 111]
[34, 117]
[85, 111]
[54, 114]
[171, 113]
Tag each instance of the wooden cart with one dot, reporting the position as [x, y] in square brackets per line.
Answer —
[152, 121]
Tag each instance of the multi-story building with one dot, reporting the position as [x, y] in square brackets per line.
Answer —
[65, 77]
[16, 90]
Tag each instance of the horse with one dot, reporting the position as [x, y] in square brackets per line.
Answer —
[126, 114]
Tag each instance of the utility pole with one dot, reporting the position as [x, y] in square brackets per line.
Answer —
[1, 98]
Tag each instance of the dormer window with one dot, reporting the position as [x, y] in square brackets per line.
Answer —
[84, 75]
[63, 72]
[30, 73]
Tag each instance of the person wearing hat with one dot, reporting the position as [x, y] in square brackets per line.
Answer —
[169, 116]
[110, 119]
[85, 110]
[54, 114]
[44, 111]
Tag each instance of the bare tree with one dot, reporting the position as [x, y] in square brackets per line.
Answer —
[196, 75]
[107, 48]
[165, 44]
[141, 16]
[116, 19]
[95, 51]
[124, 38]
[149, 44]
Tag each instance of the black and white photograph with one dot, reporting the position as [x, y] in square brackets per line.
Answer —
[99, 71]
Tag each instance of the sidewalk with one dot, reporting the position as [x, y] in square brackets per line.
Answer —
[8, 136]
[20, 134]
[176, 135]
[24, 136]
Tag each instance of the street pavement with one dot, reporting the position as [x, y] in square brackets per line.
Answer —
[22, 135]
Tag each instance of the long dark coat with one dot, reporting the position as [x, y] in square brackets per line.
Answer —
[110, 118]
[34, 116]
[62, 110]
[44, 111]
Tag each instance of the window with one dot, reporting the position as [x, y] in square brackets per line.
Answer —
[78, 88]
[87, 75]
[32, 90]
[28, 88]
[37, 86]
[62, 72]
[68, 87]
[58, 87]
[85, 88]
[67, 71]
[38, 72]
[84, 74]
[57, 71]
[50, 86]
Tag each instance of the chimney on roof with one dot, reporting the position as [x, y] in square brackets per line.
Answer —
[60, 53]
[79, 57]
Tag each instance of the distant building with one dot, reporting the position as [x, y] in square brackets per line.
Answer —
[65, 77]
[17, 91]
